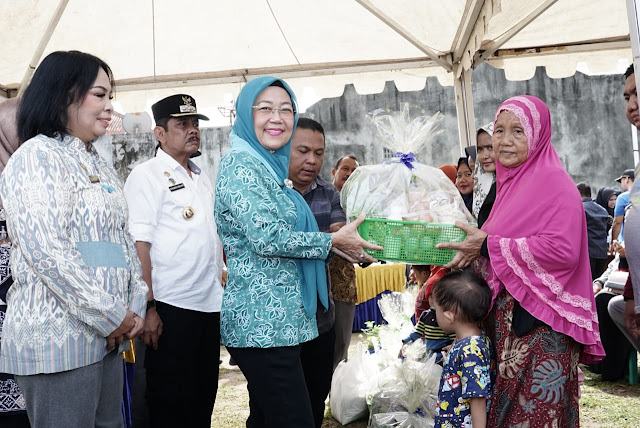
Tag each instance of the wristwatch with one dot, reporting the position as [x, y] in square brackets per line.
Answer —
[151, 304]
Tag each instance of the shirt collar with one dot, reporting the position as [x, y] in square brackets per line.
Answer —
[75, 142]
[314, 185]
[173, 164]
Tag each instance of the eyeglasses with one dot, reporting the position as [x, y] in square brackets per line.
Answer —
[268, 111]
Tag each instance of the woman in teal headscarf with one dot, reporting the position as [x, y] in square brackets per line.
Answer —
[275, 256]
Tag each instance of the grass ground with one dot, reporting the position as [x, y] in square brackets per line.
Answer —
[603, 404]
[612, 404]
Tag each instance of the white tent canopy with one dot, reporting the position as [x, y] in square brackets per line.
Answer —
[159, 47]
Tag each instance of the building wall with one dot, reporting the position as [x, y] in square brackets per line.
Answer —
[589, 127]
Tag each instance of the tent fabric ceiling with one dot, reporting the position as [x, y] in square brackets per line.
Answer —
[157, 47]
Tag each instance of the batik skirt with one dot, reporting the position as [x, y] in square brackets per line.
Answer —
[537, 382]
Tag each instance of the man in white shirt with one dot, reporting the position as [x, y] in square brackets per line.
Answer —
[171, 218]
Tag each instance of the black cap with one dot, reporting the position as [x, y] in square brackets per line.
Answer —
[176, 106]
[630, 173]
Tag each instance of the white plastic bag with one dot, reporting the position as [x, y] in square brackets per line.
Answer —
[348, 389]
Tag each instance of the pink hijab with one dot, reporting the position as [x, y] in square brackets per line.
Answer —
[537, 235]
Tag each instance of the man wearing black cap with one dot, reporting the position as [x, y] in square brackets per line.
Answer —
[171, 218]
[626, 182]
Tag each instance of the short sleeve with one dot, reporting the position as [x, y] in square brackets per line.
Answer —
[621, 204]
[476, 370]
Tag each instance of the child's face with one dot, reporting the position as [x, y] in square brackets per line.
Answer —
[446, 319]
[421, 276]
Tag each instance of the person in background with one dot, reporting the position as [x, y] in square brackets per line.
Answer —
[596, 230]
[306, 159]
[623, 309]
[617, 347]
[484, 177]
[343, 276]
[450, 171]
[535, 258]
[464, 182]
[626, 182]
[426, 325]
[471, 153]
[171, 216]
[13, 410]
[343, 170]
[606, 198]
[77, 279]
[275, 256]
[461, 301]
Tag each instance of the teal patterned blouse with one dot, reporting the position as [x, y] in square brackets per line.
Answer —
[262, 303]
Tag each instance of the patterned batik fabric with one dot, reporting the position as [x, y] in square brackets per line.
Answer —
[74, 264]
[11, 399]
[343, 280]
[262, 302]
[468, 373]
[537, 383]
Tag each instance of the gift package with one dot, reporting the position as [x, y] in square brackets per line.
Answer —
[410, 206]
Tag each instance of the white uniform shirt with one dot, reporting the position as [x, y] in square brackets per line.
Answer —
[186, 255]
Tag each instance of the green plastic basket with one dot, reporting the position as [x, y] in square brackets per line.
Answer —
[410, 241]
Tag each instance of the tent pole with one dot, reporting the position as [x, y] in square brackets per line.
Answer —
[37, 55]
[505, 37]
[464, 109]
[395, 26]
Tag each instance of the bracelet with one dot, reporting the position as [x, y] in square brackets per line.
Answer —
[151, 304]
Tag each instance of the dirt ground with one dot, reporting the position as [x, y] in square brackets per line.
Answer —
[232, 401]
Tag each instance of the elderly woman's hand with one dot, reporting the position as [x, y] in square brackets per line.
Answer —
[347, 243]
[467, 250]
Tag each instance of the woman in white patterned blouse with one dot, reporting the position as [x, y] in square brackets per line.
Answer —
[77, 291]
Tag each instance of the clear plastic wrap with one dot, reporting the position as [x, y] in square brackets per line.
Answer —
[406, 386]
[400, 420]
[405, 389]
[403, 188]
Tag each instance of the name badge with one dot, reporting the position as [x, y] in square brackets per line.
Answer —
[176, 187]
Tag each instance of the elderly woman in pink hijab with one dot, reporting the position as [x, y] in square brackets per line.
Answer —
[535, 258]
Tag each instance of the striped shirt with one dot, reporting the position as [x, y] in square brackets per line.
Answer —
[324, 201]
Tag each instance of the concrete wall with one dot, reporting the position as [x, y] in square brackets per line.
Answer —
[589, 127]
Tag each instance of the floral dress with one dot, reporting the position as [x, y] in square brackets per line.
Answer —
[262, 302]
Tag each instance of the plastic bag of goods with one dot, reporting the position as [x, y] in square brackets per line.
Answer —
[349, 387]
[407, 386]
[410, 206]
[400, 420]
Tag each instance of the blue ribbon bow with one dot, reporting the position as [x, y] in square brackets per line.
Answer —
[406, 158]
